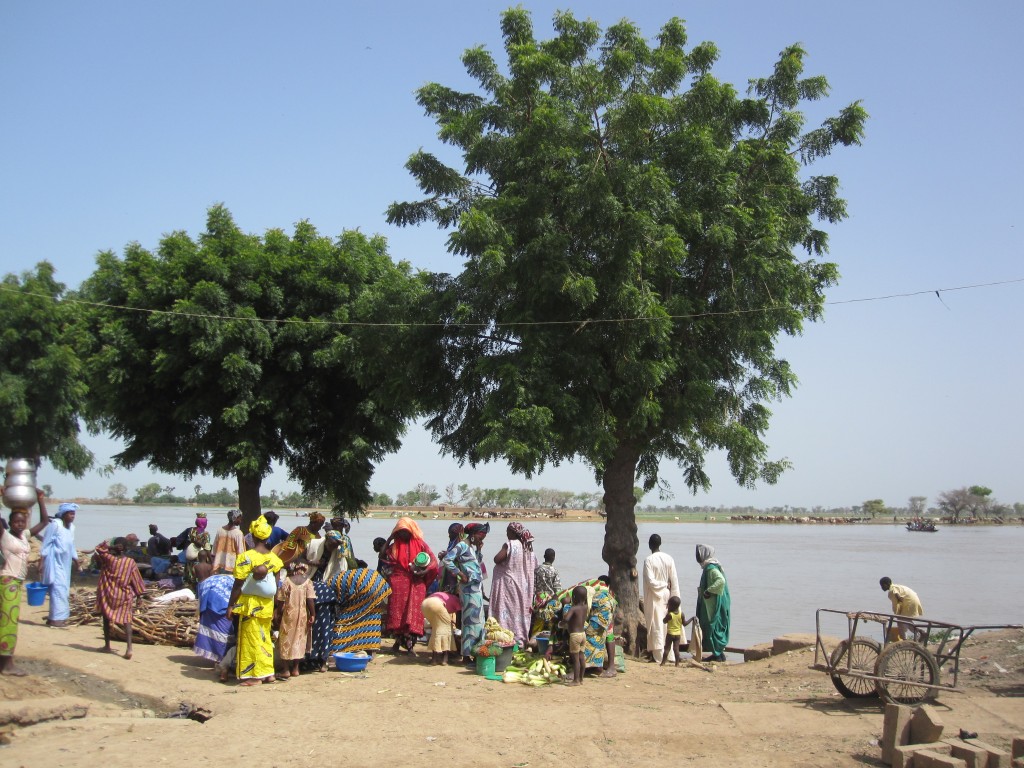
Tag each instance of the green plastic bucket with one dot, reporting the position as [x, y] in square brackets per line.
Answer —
[485, 665]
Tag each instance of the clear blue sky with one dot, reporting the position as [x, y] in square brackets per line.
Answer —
[124, 121]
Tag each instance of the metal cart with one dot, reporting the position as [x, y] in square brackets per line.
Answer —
[905, 666]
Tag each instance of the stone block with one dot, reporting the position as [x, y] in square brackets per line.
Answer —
[905, 756]
[925, 725]
[895, 729]
[792, 642]
[757, 652]
[975, 757]
[997, 758]
[926, 758]
[1017, 749]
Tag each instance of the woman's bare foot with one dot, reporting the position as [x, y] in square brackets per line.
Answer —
[573, 682]
[11, 671]
[223, 676]
[247, 683]
[107, 649]
[128, 655]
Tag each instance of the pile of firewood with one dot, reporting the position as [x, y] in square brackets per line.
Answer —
[153, 624]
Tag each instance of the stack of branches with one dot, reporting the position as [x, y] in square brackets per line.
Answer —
[173, 624]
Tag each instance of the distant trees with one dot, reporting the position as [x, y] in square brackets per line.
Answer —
[975, 501]
[118, 492]
[491, 498]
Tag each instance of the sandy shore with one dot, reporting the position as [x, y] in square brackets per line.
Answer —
[774, 712]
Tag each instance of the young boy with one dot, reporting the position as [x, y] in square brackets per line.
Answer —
[120, 586]
[674, 619]
[574, 622]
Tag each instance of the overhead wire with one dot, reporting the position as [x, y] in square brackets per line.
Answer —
[452, 324]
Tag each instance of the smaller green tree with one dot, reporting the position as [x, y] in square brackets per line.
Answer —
[874, 507]
[42, 388]
[118, 492]
[147, 493]
[916, 506]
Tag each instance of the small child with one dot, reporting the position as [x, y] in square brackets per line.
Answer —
[674, 619]
[294, 612]
[120, 586]
[574, 622]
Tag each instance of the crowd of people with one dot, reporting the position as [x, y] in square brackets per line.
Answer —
[273, 603]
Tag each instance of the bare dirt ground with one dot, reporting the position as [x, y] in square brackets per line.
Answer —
[775, 712]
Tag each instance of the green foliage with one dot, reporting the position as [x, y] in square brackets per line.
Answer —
[631, 229]
[240, 352]
[42, 390]
[147, 493]
[874, 507]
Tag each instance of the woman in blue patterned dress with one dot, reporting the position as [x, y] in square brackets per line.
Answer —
[464, 561]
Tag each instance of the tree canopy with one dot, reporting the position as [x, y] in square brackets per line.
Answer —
[231, 352]
[42, 390]
[636, 236]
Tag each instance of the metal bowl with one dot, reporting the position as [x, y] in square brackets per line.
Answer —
[19, 496]
[21, 478]
[20, 465]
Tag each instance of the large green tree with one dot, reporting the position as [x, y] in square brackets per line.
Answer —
[229, 353]
[42, 389]
[636, 236]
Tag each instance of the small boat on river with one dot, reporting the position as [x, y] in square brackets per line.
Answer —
[922, 526]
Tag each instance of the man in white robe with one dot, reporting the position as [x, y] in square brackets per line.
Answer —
[660, 583]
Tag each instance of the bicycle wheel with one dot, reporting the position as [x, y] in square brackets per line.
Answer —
[912, 665]
[860, 656]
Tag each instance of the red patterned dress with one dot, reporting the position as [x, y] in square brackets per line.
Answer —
[120, 583]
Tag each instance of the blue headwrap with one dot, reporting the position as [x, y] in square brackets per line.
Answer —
[64, 508]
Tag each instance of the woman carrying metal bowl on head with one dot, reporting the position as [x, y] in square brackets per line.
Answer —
[15, 548]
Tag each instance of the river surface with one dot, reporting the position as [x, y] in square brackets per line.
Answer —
[778, 574]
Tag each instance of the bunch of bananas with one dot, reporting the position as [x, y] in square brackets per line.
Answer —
[494, 631]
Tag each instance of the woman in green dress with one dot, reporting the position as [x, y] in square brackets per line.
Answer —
[713, 603]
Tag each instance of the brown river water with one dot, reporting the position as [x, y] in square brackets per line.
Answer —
[778, 574]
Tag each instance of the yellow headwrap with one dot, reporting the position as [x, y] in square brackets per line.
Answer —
[260, 528]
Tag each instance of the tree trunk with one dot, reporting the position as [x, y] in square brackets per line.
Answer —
[621, 542]
[249, 499]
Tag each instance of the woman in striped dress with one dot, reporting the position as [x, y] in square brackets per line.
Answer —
[360, 596]
[120, 586]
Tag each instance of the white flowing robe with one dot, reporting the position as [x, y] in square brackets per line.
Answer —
[660, 583]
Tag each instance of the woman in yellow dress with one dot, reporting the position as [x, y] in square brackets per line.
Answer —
[252, 599]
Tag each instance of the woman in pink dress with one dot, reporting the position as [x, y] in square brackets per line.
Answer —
[512, 582]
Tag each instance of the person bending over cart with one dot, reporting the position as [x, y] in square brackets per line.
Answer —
[905, 602]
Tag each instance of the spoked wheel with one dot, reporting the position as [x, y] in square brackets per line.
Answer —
[911, 664]
[858, 656]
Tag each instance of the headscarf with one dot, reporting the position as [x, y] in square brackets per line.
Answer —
[520, 532]
[474, 528]
[201, 521]
[400, 554]
[410, 525]
[455, 530]
[706, 555]
[234, 515]
[64, 508]
[260, 528]
[343, 525]
[316, 517]
[334, 536]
